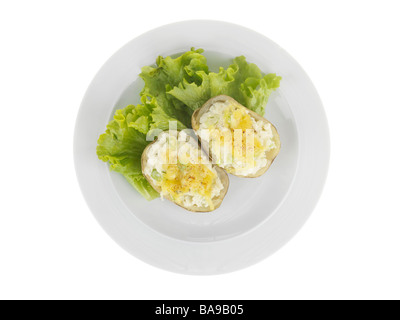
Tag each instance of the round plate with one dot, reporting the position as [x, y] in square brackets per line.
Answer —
[258, 216]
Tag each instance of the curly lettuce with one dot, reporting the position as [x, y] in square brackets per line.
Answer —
[168, 74]
[123, 142]
[242, 81]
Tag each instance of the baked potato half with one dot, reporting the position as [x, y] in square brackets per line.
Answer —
[236, 139]
[176, 167]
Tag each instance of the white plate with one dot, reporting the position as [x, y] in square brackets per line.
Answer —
[258, 216]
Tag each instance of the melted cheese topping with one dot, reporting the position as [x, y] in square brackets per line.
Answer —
[237, 141]
[180, 180]
[182, 171]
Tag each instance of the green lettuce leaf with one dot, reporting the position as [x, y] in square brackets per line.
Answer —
[168, 73]
[122, 146]
[242, 81]
[123, 142]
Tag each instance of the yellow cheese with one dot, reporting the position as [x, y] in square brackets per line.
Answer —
[180, 179]
[236, 118]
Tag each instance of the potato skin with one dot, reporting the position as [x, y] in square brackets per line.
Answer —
[217, 201]
[271, 155]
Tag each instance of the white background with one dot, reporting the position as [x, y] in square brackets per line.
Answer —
[51, 247]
